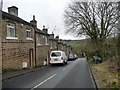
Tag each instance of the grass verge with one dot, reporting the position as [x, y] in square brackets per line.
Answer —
[106, 74]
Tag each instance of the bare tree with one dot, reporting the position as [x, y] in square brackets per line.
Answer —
[95, 19]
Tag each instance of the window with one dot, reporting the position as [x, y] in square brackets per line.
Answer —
[11, 30]
[55, 44]
[46, 40]
[56, 54]
[29, 35]
[51, 44]
[38, 39]
[61, 47]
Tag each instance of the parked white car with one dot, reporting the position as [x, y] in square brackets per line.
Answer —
[58, 57]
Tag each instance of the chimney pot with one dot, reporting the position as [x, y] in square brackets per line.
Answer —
[57, 36]
[52, 32]
[33, 17]
[45, 29]
[34, 22]
[43, 26]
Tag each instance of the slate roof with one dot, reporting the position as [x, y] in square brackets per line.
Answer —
[41, 32]
[54, 39]
[18, 19]
[59, 42]
[15, 18]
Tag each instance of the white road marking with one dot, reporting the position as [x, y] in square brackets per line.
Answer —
[65, 67]
[69, 65]
[44, 81]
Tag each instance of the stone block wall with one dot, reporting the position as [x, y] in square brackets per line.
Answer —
[17, 51]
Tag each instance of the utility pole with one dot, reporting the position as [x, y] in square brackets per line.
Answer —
[1, 5]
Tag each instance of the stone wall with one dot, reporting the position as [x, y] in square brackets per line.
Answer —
[17, 51]
[42, 51]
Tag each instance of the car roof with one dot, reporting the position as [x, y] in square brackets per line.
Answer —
[57, 51]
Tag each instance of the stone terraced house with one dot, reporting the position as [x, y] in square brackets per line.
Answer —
[24, 45]
[53, 42]
[42, 46]
[65, 48]
[69, 50]
[17, 41]
[60, 45]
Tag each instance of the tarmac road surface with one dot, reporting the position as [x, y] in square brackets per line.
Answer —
[75, 74]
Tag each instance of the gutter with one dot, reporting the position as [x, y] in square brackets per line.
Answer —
[96, 86]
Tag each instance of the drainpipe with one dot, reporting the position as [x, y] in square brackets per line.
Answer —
[35, 43]
[57, 46]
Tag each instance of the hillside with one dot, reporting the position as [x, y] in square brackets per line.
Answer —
[78, 45]
[75, 43]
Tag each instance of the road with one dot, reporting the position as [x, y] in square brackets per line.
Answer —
[75, 74]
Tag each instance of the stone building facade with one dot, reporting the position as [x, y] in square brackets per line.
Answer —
[23, 44]
[60, 45]
[42, 46]
[53, 42]
[17, 41]
[68, 49]
[65, 48]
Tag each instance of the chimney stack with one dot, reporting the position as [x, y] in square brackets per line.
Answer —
[45, 29]
[52, 35]
[57, 37]
[34, 22]
[13, 10]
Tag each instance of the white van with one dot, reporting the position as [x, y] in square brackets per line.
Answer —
[58, 57]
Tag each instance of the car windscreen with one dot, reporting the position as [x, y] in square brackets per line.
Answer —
[56, 54]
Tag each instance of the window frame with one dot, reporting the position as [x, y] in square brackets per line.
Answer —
[8, 26]
[55, 44]
[29, 35]
[46, 41]
[38, 38]
[51, 44]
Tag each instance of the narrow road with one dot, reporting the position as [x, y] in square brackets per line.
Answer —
[75, 74]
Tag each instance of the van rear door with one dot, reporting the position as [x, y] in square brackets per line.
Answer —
[55, 56]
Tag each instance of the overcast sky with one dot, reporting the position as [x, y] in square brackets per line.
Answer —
[47, 12]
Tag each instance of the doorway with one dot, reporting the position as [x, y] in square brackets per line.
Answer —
[31, 57]
[48, 57]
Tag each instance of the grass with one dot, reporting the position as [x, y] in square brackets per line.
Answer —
[78, 46]
[104, 75]
[74, 43]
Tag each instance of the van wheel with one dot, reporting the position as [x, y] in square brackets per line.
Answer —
[63, 63]
[66, 62]
[51, 64]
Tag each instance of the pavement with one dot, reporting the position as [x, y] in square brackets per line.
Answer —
[75, 74]
[15, 73]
